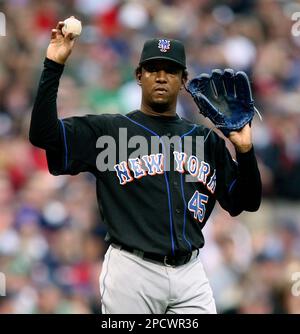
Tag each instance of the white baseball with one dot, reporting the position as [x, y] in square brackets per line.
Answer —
[73, 26]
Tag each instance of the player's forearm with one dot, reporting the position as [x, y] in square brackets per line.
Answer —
[44, 126]
[247, 190]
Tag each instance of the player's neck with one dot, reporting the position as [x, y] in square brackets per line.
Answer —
[150, 111]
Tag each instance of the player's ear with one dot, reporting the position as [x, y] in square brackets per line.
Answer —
[138, 79]
[138, 75]
[184, 78]
[183, 82]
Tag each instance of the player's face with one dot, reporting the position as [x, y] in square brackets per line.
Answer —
[161, 81]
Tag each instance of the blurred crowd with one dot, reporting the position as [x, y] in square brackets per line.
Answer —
[51, 235]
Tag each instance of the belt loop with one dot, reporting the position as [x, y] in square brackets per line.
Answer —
[165, 262]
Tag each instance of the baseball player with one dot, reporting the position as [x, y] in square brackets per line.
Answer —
[154, 210]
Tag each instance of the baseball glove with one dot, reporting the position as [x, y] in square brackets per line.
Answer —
[225, 98]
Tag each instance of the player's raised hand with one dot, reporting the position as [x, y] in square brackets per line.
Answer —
[60, 46]
[242, 139]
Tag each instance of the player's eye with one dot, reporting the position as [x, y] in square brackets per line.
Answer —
[172, 70]
[150, 68]
[157, 67]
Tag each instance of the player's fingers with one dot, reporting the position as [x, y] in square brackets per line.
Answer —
[242, 87]
[217, 82]
[228, 79]
[70, 36]
[58, 27]
[53, 33]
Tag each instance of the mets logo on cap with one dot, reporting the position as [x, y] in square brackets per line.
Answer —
[164, 45]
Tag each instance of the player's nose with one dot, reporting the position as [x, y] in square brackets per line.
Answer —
[161, 76]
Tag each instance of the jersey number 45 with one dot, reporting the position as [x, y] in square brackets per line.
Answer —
[197, 205]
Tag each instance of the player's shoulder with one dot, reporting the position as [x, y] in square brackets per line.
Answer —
[104, 117]
[97, 120]
[95, 125]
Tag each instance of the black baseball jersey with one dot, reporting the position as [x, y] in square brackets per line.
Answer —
[156, 200]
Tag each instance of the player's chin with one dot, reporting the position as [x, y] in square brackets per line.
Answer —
[161, 99]
[160, 105]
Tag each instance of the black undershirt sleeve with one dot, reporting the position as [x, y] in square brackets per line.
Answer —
[45, 127]
[70, 143]
[239, 183]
